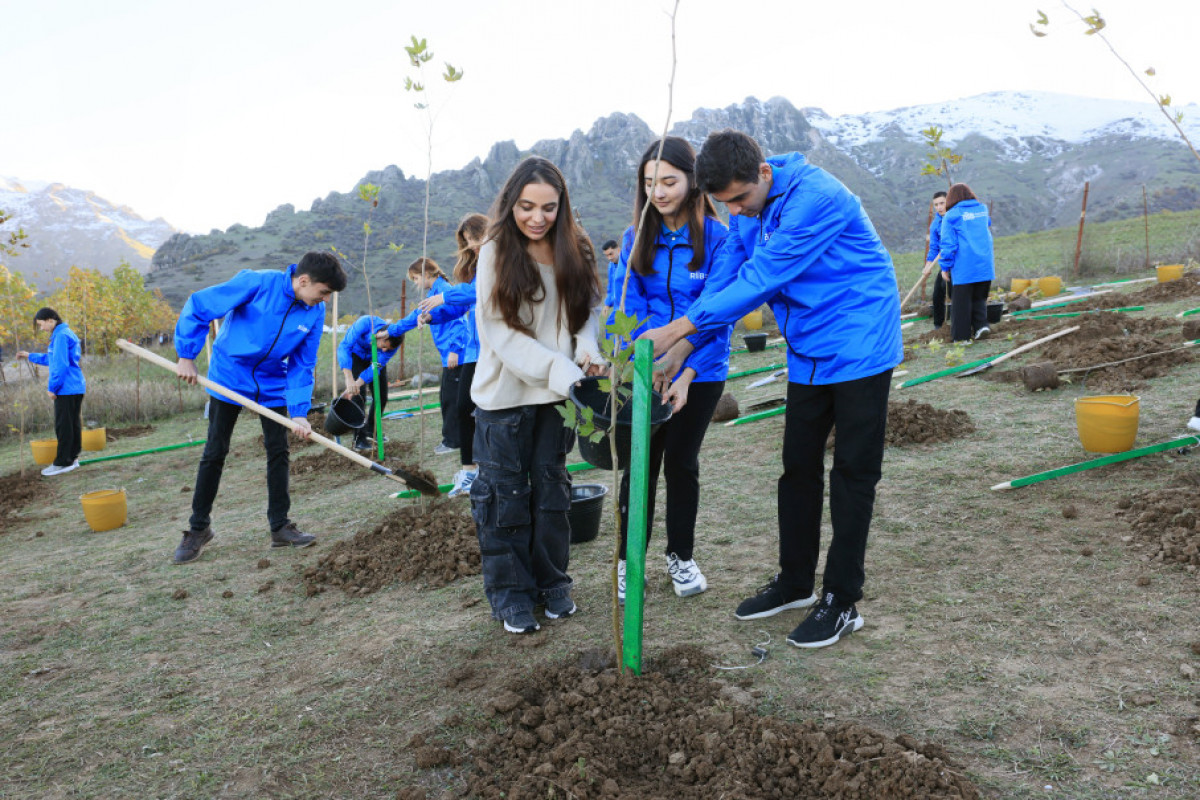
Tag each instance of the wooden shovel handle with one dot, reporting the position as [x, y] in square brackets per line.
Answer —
[1033, 344]
[917, 285]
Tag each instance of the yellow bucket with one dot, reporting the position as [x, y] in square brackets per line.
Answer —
[1107, 423]
[753, 320]
[95, 439]
[1019, 285]
[1170, 272]
[1050, 286]
[104, 509]
[44, 451]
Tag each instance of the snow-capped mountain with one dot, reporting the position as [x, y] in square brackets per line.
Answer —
[74, 227]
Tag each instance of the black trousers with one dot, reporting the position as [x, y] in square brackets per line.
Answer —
[941, 288]
[859, 410]
[466, 411]
[448, 399]
[969, 313]
[676, 445]
[222, 417]
[68, 427]
[357, 365]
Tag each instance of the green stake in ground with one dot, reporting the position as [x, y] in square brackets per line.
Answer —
[1050, 474]
[134, 454]
[639, 472]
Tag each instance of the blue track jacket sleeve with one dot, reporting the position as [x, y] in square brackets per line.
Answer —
[948, 244]
[345, 356]
[212, 303]
[300, 366]
[935, 237]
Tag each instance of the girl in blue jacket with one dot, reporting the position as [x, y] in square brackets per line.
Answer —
[968, 260]
[66, 386]
[454, 303]
[670, 266]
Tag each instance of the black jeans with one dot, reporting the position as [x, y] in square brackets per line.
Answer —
[466, 410]
[677, 445]
[357, 365]
[859, 410]
[969, 312]
[222, 416]
[520, 501]
[68, 427]
[448, 399]
[941, 288]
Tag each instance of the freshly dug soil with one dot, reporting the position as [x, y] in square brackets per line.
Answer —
[128, 432]
[1165, 524]
[910, 422]
[435, 544]
[320, 462]
[727, 408]
[18, 491]
[674, 731]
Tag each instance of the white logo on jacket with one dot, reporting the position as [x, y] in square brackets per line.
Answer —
[302, 328]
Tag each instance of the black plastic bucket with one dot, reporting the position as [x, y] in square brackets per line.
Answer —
[587, 394]
[587, 509]
[346, 415]
[755, 342]
[995, 311]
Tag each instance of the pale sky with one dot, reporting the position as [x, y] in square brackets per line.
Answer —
[207, 114]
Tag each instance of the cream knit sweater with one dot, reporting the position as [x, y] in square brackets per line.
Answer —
[515, 369]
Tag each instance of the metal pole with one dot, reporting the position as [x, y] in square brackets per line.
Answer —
[1082, 216]
[639, 472]
[1146, 221]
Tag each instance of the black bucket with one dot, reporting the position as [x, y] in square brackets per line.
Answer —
[587, 509]
[995, 311]
[346, 415]
[755, 342]
[587, 394]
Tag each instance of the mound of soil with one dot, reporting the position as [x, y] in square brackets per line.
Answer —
[675, 732]
[128, 432]
[18, 491]
[1165, 292]
[1165, 525]
[435, 544]
[910, 422]
[320, 462]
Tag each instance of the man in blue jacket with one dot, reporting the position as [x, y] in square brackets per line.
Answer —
[800, 240]
[941, 285]
[266, 350]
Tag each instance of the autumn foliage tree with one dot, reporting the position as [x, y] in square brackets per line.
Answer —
[102, 309]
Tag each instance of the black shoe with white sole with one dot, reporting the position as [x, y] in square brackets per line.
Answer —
[771, 599]
[826, 623]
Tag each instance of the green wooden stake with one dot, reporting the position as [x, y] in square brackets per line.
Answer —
[1054, 305]
[1081, 313]
[771, 412]
[933, 376]
[635, 541]
[755, 371]
[1186, 441]
[375, 393]
[98, 459]
[1189, 312]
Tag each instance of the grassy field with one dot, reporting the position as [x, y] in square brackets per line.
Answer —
[1047, 655]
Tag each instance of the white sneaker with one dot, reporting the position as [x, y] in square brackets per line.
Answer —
[462, 482]
[621, 581]
[442, 449]
[686, 577]
[57, 470]
[1194, 423]
[983, 332]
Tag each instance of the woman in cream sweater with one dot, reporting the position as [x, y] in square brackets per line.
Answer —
[536, 287]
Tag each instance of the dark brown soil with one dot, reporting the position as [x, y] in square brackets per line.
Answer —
[128, 432]
[434, 543]
[18, 491]
[910, 422]
[319, 462]
[674, 731]
[1165, 524]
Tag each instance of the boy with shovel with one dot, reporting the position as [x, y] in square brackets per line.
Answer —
[266, 350]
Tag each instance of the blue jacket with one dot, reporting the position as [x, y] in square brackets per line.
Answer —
[458, 302]
[616, 275]
[357, 342]
[814, 255]
[268, 344]
[935, 236]
[62, 357]
[449, 336]
[966, 243]
[671, 289]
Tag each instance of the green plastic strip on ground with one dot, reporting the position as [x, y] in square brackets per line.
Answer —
[933, 376]
[914, 319]
[399, 412]
[164, 448]
[1186, 441]
[639, 474]
[1079, 299]
[1190, 312]
[755, 371]
[445, 487]
[1081, 313]
[755, 417]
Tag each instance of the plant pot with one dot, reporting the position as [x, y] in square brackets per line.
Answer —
[105, 509]
[755, 342]
[1019, 285]
[1107, 423]
[94, 439]
[44, 451]
[346, 415]
[587, 394]
[753, 321]
[995, 310]
[1169, 272]
[1050, 286]
[587, 509]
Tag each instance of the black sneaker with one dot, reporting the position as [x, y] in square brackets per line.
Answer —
[360, 441]
[193, 542]
[522, 622]
[826, 623]
[291, 536]
[771, 599]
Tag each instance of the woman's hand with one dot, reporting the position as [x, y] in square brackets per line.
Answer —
[452, 360]
[424, 318]
[677, 394]
[185, 368]
[22, 355]
[430, 303]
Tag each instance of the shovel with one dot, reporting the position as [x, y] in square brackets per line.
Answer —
[398, 475]
[774, 376]
[1017, 351]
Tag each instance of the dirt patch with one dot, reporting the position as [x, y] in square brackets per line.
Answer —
[18, 491]
[1165, 524]
[910, 422]
[323, 463]
[434, 543]
[674, 731]
[128, 432]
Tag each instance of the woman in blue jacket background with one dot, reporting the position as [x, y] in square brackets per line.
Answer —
[669, 270]
[66, 386]
[967, 259]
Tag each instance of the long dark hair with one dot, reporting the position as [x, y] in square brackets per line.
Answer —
[959, 192]
[45, 313]
[475, 226]
[695, 207]
[518, 280]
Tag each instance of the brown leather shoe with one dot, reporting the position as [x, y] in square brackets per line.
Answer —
[291, 536]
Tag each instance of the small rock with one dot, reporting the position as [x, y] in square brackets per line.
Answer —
[1086, 551]
[1124, 502]
[180, 594]
[1143, 699]
[227, 594]
[263, 563]
[676, 758]
[40, 533]
[184, 489]
[1196, 647]
[1187, 671]
[266, 587]
[1143, 580]
[1070, 512]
